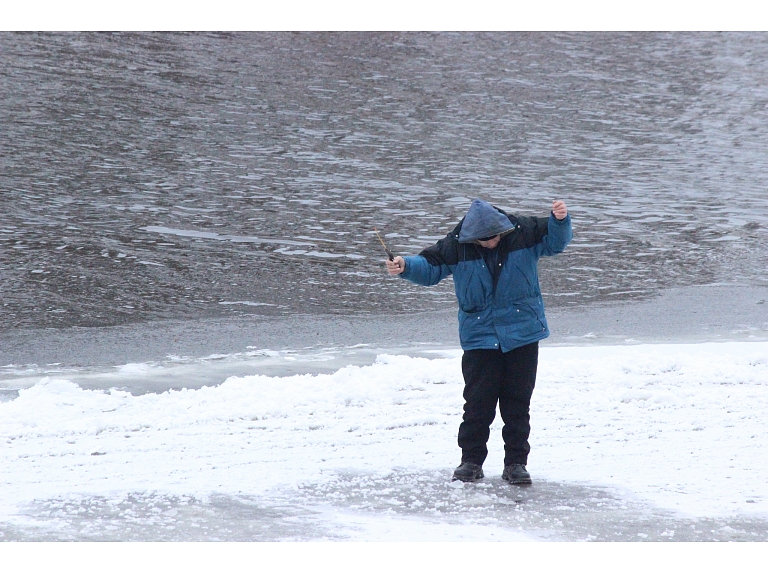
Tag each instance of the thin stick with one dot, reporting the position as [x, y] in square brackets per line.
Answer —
[390, 255]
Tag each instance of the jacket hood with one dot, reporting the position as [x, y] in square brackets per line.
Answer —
[483, 220]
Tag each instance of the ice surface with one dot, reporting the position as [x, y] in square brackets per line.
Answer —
[657, 442]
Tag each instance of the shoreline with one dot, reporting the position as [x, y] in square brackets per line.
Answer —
[679, 315]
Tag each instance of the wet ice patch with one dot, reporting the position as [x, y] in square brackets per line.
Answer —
[152, 516]
[399, 505]
[543, 511]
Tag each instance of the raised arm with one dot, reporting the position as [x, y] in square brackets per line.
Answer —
[559, 232]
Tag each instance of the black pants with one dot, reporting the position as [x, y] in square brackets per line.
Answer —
[491, 376]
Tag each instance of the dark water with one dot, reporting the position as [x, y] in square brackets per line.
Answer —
[173, 176]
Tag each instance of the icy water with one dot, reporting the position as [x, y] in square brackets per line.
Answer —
[235, 180]
[167, 176]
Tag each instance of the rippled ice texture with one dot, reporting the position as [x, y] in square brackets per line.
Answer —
[651, 442]
[150, 176]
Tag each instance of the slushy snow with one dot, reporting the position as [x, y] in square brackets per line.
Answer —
[679, 427]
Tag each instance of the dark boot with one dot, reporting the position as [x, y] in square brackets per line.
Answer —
[516, 474]
[468, 472]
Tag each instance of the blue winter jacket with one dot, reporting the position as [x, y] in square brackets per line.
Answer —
[510, 313]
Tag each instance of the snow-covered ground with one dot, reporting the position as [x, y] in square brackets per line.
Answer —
[663, 441]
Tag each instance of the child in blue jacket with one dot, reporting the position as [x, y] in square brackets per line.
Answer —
[493, 258]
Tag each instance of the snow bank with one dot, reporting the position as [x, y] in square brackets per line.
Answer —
[679, 425]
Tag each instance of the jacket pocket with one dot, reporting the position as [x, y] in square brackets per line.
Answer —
[521, 321]
[476, 330]
[471, 292]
